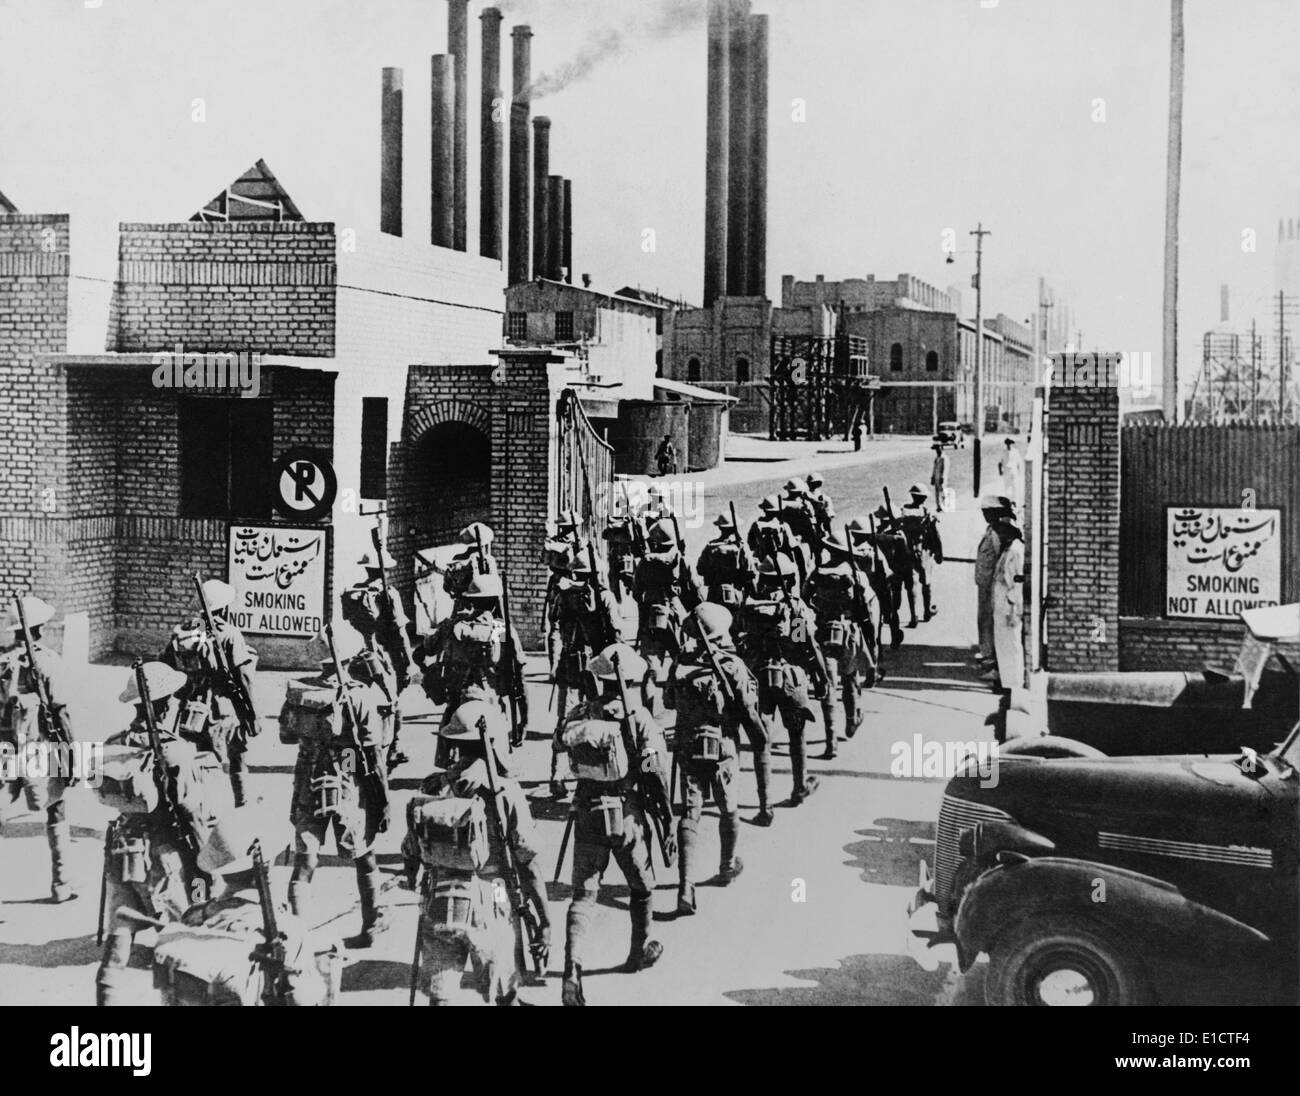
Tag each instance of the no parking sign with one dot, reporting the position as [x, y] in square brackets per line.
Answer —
[305, 484]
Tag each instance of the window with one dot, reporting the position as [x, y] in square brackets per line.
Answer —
[932, 362]
[374, 447]
[896, 358]
[225, 457]
[693, 371]
[564, 327]
[742, 370]
[516, 326]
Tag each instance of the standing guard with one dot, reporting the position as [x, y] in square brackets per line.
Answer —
[470, 829]
[34, 715]
[621, 806]
[778, 642]
[715, 695]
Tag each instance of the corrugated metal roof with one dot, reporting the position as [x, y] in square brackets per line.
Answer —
[700, 395]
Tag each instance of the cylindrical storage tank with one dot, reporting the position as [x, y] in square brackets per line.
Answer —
[643, 424]
[705, 431]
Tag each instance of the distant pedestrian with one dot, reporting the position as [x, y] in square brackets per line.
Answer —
[857, 436]
[1012, 468]
[939, 475]
[986, 561]
[666, 457]
[1008, 607]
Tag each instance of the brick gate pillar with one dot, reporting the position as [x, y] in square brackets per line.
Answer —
[1082, 523]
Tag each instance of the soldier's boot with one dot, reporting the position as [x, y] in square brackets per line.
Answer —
[685, 859]
[110, 981]
[571, 991]
[644, 951]
[763, 777]
[373, 921]
[730, 865]
[299, 896]
[59, 835]
[237, 788]
[828, 718]
[911, 605]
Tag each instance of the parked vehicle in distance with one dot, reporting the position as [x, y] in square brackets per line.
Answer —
[1121, 881]
[1215, 710]
[951, 434]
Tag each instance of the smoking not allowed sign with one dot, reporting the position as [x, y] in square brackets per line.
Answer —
[278, 572]
[1219, 561]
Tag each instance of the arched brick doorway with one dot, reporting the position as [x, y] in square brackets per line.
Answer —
[449, 470]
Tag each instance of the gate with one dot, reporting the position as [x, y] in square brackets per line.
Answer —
[584, 468]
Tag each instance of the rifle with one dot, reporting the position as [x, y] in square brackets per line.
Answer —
[238, 694]
[56, 723]
[527, 924]
[853, 570]
[270, 954]
[404, 640]
[369, 774]
[607, 618]
[886, 606]
[517, 696]
[179, 833]
[103, 883]
[740, 543]
[657, 805]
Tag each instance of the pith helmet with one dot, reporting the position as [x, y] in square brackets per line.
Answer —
[568, 519]
[1009, 442]
[471, 533]
[218, 594]
[371, 562]
[917, 491]
[794, 487]
[660, 535]
[462, 727]
[778, 567]
[814, 479]
[159, 678]
[484, 586]
[723, 521]
[38, 612]
[770, 503]
[631, 666]
[713, 621]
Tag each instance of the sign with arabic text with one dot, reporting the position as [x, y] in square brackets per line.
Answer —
[1219, 561]
[278, 572]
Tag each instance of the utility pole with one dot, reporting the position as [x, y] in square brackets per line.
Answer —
[1281, 356]
[1173, 173]
[1254, 374]
[979, 232]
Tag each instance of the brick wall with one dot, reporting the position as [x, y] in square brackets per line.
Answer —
[33, 321]
[1146, 644]
[1081, 622]
[258, 286]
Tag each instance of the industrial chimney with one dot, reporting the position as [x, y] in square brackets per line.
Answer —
[566, 256]
[740, 100]
[757, 249]
[390, 152]
[490, 126]
[554, 228]
[541, 196]
[1223, 303]
[458, 48]
[442, 152]
[716, 154]
[518, 257]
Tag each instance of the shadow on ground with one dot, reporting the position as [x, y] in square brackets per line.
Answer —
[75, 951]
[871, 980]
[892, 851]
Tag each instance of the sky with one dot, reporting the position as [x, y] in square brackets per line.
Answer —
[1044, 120]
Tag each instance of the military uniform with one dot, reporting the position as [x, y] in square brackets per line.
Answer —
[23, 720]
[710, 715]
[612, 814]
[665, 591]
[465, 912]
[845, 606]
[919, 527]
[770, 537]
[725, 567]
[620, 536]
[891, 545]
[210, 703]
[823, 510]
[341, 787]
[778, 642]
[145, 872]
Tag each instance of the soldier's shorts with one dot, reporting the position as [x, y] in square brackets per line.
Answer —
[348, 824]
[39, 794]
[591, 853]
[790, 699]
[490, 950]
[722, 779]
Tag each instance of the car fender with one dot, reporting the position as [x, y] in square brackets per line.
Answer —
[1148, 913]
[1049, 745]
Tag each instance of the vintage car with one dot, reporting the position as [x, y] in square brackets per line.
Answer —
[1116, 881]
[951, 434]
[1215, 710]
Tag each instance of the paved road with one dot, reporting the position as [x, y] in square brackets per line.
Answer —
[817, 918]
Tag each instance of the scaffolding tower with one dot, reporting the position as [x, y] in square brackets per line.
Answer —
[1249, 376]
[819, 386]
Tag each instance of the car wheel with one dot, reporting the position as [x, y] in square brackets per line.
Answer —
[1049, 746]
[1060, 959]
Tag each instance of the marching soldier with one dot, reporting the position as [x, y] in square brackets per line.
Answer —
[725, 567]
[822, 508]
[892, 543]
[841, 597]
[797, 512]
[216, 699]
[922, 532]
[148, 875]
[665, 589]
[769, 535]
[620, 534]
[778, 642]
[458, 830]
[584, 618]
[25, 721]
[621, 803]
[715, 696]
[468, 657]
[657, 508]
[880, 576]
[340, 787]
[375, 610]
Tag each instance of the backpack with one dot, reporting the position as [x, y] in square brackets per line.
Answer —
[766, 616]
[832, 593]
[477, 644]
[697, 696]
[596, 750]
[311, 713]
[451, 832]
[190, 648]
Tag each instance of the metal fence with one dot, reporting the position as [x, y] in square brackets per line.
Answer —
[1200, 465]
